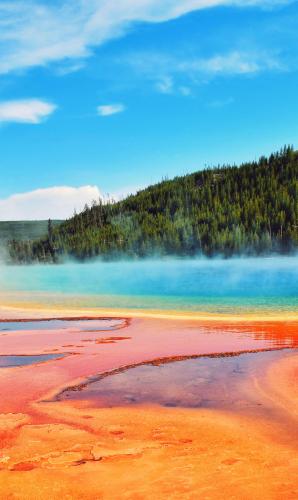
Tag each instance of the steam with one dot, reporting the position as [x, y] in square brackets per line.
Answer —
[191, 284]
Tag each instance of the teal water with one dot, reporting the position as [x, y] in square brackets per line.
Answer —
[198, 284]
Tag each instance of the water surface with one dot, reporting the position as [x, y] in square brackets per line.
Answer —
[83, 325]
[222, 382]
[11, 361]
[218, 285]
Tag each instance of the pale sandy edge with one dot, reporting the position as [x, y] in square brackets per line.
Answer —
[40, 311]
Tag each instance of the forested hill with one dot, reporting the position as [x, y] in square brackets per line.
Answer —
[251, 209]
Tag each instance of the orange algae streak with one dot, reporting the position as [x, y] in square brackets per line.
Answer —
[147, 452]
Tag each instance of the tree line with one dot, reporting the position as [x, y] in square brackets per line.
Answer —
[229, 210]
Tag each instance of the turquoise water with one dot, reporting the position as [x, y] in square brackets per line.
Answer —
[198, 284]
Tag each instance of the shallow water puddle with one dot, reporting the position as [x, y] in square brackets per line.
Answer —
[83, 325]
[216, 382]
[11, 361]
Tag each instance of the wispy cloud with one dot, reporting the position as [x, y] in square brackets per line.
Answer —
[183, 90]
[178, 74]
[26, 111]
[221, 103]
[235, 63]
[35, 33]
[110, 109]
[165, 85]
[55, 203]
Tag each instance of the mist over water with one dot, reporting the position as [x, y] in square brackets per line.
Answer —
[197, 284]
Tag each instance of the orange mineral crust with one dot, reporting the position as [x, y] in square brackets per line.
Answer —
[72, 425]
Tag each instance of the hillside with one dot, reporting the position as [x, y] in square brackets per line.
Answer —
[251, 209]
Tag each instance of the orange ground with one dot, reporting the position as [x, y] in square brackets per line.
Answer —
[57, 449]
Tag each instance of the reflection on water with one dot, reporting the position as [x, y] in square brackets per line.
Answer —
[10, 361]
[205, 382]
[83, 325]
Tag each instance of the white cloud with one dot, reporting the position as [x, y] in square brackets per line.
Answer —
[235, 63]
[121, 194]
[165, 85]
[186, 91]
[178, 74]
[35, 33]
[110, 109]
[221, 103]
[164, 66]
[55, 203]
[25, 111]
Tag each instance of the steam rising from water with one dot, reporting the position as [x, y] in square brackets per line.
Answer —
[169, 283]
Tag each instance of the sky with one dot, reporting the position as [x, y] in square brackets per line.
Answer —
[103, 97]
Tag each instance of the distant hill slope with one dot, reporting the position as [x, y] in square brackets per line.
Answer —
[251, 209]
[24, 230]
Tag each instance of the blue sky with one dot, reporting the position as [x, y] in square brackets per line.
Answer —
[109, 96]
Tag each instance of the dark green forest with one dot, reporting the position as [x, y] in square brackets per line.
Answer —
[229, 210]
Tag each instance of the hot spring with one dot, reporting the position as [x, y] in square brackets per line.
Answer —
[217, 285]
